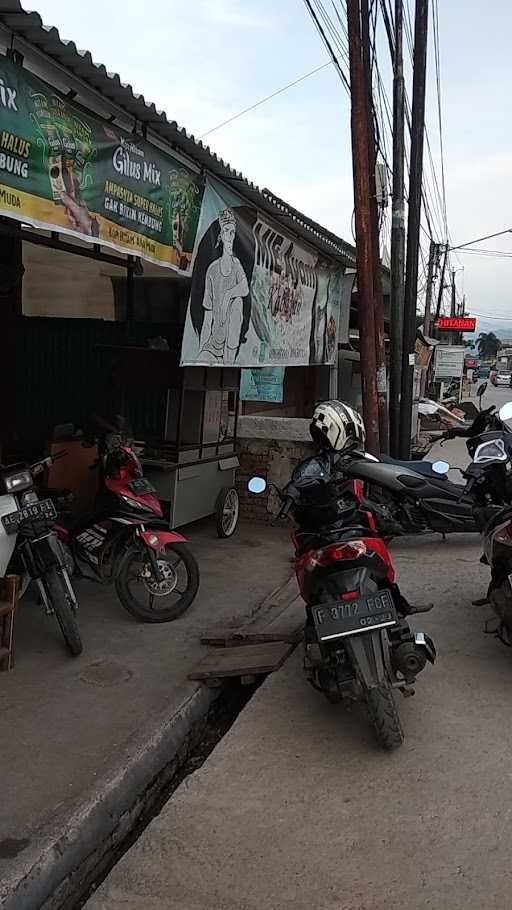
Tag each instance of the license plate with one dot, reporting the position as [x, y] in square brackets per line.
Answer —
[33, 512]
[334, 620]
[141, 486]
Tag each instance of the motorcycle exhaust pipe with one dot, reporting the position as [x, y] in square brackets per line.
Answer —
[410, 657]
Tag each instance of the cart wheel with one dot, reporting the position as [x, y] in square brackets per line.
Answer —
[227, 510]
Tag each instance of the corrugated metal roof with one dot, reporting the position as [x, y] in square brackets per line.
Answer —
[30, 27]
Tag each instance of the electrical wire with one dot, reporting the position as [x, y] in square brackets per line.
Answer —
[268, 98]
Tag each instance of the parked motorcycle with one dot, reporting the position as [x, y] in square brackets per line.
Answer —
[127, 540]
[410, 497]
[30, 548]
[489, 482]
[358, 643]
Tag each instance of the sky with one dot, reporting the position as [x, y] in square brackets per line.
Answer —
[205, 60]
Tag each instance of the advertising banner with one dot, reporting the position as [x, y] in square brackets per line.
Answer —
[63, 169]
[258, 297]
[262, 384]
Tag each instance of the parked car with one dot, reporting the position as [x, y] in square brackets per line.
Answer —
[504, 378]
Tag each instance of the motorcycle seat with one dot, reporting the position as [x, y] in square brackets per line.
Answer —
[419, 467]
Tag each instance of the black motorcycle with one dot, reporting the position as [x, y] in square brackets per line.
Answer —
[358, 643]
[412, 497]
[489, 482]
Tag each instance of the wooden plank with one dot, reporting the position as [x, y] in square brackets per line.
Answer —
[286, 626]
[243, 661]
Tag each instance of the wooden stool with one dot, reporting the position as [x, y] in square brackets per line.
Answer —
[9, 590]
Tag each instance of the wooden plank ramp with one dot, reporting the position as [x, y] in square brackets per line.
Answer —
[246, 661]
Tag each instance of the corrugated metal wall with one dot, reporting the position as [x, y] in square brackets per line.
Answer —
[60, 374]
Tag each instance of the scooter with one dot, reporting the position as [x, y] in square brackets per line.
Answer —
[358, 643]
[127, 540]
[411, 497]
[29, 547]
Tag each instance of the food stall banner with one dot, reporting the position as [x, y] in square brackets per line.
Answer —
[62, 169]
[258, 298]
[262, 384]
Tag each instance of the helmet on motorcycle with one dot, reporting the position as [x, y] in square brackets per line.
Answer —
[335, 425]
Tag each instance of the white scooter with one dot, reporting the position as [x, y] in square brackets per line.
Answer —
[30, 548]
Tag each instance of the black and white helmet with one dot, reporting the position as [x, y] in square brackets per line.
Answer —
[335, 425]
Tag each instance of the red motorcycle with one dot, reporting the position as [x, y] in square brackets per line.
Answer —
[358, 643]
[127, 540]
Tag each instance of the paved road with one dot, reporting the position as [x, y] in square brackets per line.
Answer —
[297, 806]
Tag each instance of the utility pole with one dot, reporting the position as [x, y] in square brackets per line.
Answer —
[432, 265]
[413, 232]
[453, 308]
[380, 345]
[361, 178]
[441, 284]
[397, 235]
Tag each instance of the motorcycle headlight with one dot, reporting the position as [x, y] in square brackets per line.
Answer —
[15, 483]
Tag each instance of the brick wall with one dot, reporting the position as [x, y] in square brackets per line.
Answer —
[274, 460]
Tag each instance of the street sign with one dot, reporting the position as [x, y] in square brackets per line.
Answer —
[456, 324]
[449, 361]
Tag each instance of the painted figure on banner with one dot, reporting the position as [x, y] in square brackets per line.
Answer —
[226, 285]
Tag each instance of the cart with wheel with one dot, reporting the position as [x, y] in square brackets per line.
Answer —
[185, 421]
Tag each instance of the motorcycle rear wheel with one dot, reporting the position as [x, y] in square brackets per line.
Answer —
[133, 584]
[57, 595]
[384, 717]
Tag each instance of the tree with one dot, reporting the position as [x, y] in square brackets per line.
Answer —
[488, 345]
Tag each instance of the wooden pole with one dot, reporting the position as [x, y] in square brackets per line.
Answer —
[361, 178]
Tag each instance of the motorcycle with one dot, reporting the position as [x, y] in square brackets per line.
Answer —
[126, 540]
[489, 481]
[411, 497]
[29, 547]
[358, 645]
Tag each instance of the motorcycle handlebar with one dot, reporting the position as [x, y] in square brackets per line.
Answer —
[286, 507]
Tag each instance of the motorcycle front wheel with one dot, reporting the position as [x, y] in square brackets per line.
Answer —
[56, 591]
[150, 600]
[384, 717]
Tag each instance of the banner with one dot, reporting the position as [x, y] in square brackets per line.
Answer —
[258, 297]
[65, 170]
[262, 384]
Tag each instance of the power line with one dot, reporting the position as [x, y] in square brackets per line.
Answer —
[328, 45]
[268, 98]
[461, 246]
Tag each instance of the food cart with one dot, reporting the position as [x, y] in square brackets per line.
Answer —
[184, 421]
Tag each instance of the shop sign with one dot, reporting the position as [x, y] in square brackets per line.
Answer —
[258, 297]
[262, 384]
[65, 170]
[449, 361]
[456, 323]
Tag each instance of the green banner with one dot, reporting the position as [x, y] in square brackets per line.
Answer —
[66, 170]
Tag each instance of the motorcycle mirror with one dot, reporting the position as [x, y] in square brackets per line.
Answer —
[505, 412]
[257, 485]
[441, 467]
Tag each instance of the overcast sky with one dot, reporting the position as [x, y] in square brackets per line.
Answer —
[204, 60]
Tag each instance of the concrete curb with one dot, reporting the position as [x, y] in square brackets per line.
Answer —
[50, 876]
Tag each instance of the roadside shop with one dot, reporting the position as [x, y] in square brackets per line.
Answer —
[129, 248]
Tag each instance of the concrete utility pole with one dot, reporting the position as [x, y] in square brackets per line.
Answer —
[441, 284]
[397, 234]
[380, 345]
[361, 177]
[453, 308]
[413, 231]
[432, 266]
